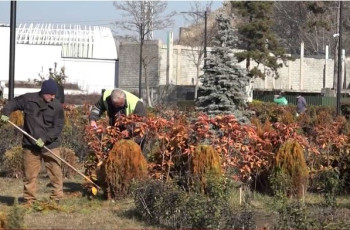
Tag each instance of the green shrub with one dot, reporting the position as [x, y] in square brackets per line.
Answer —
[15, 218]
[329, 184]
[165, 204]
[281, 185]
[294, 216]
[345, 109]
[160, 203]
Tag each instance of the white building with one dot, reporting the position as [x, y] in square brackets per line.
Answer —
[88, 54]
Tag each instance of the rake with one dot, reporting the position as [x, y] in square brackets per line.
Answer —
[58, 157]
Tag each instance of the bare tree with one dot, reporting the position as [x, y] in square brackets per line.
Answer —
[146, 63]
[142, 18]
[316, 24]
[150, 15]
[194, 36]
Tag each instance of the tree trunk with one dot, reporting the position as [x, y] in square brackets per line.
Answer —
[148, 98]
[197, 83]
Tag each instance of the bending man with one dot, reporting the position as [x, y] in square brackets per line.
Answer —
[115, 102]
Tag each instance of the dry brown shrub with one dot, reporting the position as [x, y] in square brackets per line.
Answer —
[262, 128]
[2, 220]
[290, 159]
[69, 156]
[204, 162]
[17, 118]
[287, 117]
[125, 163]
[13, 162]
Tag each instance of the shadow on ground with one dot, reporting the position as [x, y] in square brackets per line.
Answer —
[10, 200]
[71, 187]
[68, 188]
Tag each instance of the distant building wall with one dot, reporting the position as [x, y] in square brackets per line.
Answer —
[184, 71]
[30, 61]
[90, 74]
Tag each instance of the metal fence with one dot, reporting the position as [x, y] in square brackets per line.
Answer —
[311, 99]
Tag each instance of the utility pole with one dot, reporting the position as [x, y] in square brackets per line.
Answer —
[149, 19]
[200, 13]
[340, 46]
[205, 37]
[142, 37]
[12, 50]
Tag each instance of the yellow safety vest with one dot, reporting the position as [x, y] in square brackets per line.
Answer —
[131, 101]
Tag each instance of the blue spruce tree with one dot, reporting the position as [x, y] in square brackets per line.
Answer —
[224, 83]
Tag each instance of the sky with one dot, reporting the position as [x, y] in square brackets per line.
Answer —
[97, 13]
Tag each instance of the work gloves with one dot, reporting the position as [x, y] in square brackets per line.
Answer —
[4, 118]
[40, 143]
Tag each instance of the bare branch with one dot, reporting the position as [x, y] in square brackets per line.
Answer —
[146, 14]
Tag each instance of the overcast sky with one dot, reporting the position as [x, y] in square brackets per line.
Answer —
[100, 13]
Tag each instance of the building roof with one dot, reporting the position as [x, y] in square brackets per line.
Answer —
[76, 40]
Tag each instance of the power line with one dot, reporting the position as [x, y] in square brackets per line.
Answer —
[42, 21]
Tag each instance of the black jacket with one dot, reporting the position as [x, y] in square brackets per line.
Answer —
[41, 120]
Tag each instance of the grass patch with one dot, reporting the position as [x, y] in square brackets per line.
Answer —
[75, 211]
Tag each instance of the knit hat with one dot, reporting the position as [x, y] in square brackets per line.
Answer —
[49, 87]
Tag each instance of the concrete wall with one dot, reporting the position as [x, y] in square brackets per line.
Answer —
[305, 76]
[129, 63]
[291, 78]
[183, 70]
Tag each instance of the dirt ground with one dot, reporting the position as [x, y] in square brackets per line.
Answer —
[75, 211]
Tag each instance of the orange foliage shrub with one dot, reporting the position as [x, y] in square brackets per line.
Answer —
[124, 164]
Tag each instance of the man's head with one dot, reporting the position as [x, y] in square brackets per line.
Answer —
[118, 98]
[48, 90]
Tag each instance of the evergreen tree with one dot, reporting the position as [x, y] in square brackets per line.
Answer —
[257, 39]
[224, 83]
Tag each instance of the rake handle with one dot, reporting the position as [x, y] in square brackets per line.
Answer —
[58, 157]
